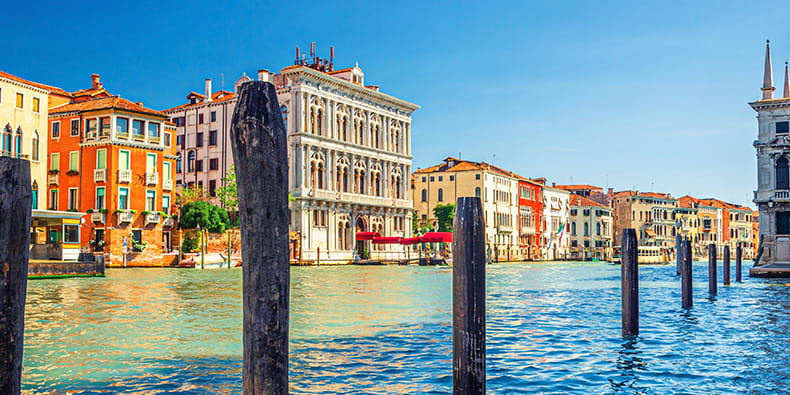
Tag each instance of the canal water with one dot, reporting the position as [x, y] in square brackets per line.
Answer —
[552, 328]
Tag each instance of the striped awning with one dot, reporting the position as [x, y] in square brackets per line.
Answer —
[367, 235]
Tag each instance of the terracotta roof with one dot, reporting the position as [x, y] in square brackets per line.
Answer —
[465, 165]
[341, 70]
[90, 92]
[578, 187]
[52, 89]
[217, 96]
[577, 200]
[112, 102]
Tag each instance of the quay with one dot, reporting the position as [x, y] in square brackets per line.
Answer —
[39, 269]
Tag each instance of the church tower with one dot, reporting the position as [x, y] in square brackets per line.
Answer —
[773, 177]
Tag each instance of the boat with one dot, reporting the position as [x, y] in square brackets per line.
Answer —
[214, 261]
[647, 255]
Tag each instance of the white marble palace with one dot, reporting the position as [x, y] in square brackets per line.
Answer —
[349, 147]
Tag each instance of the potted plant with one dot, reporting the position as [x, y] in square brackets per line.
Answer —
[54, 171]
[89, 211]
[103, 211]
[72, 172]
[139, 247]
[146, 212]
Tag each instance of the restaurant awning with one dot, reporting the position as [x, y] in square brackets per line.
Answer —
[410, 240]
[386, 240]
[367, 235]
[650, 232]
[437, 237]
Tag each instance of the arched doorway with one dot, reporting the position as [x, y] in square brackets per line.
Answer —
[362, 248]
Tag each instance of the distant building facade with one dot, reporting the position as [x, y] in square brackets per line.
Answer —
[591, 229]
[651, 214]
[555, 241]
[530, 219]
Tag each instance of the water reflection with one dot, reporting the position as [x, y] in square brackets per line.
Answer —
[629, 359]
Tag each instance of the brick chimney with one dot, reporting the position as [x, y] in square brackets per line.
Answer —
[263, 75]
[95, 83]
[208, 90]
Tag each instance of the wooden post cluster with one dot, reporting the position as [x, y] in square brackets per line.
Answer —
[686, 275]
[469, 290]
[726, 266]
[630, 284]
[712, 286]
[738, 258]
[259, 145]
[15, 212]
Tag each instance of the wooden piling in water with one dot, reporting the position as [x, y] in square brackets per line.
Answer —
[469, 291]
[258, 138]
[686, 275]
[712, 286]
[678, 246]
[738, 258]
[15, 212]
[726, 266]
[629, 277]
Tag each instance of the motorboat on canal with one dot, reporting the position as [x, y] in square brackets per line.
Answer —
[646, 255]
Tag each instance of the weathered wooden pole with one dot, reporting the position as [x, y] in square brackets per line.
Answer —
[258, 138]
[15, 211]
[469, 297]
[726, 265]
[629, 277]
[678, 242]
[738, 258]
[712, 286]
[686, 275]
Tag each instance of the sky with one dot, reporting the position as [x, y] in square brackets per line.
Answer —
[651, 96]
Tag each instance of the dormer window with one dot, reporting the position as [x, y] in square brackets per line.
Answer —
[783, 127]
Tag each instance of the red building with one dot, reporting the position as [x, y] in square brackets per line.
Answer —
[530, 209]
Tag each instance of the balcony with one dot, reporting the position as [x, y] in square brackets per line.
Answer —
[776, 195]
[90, 136]
[782, 195]
[152, 218]
[52, 179]
[151, 178]
[100, 175]
[167, 185]
[125, 217]
[97, 216]
[125, 176]
[169, 222]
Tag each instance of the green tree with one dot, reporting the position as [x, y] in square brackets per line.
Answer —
[190, 194]
[444, 214]
[228, 194]
[208, 216]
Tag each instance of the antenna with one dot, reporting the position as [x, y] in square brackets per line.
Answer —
[331, 57]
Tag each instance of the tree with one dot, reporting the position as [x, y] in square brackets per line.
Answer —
[444, 214]
[228, 194]
[210, 217]
[190, 194]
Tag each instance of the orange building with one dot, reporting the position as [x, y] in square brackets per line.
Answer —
[113, 159]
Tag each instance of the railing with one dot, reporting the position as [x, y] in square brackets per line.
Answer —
[125, 176]
[169, 222]
[52, 179]
[151, 178]
[97, 217]
[126, 216]
[152, 218]
[100, 175]
[782, 195]
[167, 185]
[357, 198]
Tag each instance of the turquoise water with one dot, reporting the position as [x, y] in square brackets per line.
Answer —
[552, 328]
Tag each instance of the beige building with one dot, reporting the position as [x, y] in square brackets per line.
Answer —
[497, 188]
[650, 213]
[591, 229]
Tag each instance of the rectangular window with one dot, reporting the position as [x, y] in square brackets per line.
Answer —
[212, 188]
[99, 198]
[71, 234]
[75, 127]
[199, 139]
[167, 170]
[74, 161]
[150, 163]
[36, 104]
[137, 236]
[101, 158]
[213, 116]
[431, 178]
[122, 126]
[90, 128]
[440, 178]
[54, 161]
[212, 137]
[783, 127]
[137, 129]
[213, 164]
[123, 160]
[20, 100]
[104, 126]
[423, 179]
[166, 204]
[150, 200]
[199, 165]
[123, 198]
[477, 176]
[35, 148]
[200, 119]
[153, 130]
[73, 193]
[167, 139]
[53, 199]
[55, 129]
[180, 141]
[452, 178]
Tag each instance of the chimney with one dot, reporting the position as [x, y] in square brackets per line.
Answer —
[263, 75]
[95, 83]
[610, 191]
[208, 90]
[553, 184]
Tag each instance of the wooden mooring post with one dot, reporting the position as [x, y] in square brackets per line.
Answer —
[686, 266]
[258, 138]
[738, 258]
[469, 297]
[712, 286]
[15, 212]
[629, 276]
[678, 246]
[726, 266]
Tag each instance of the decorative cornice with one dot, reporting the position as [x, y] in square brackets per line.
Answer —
[23, 85]
[122, 144]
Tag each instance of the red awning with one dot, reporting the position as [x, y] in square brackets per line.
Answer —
[437, 237]
[386, 240]
[367, 235]
[411, 240]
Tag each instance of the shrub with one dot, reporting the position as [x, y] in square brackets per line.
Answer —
[210, 217]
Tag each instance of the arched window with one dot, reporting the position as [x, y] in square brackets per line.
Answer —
[191, 161]
[598, 229]
[586, 229]
[178, 162]
[5, 141]
[34, 195]
[284, 113]
[35, 149]
[424, 195]
[573, 228]
[782, 175]
[18, 142]
[477, 191]
[321, 175]
[440, 196]
[319, 118]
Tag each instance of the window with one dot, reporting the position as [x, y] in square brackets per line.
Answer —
[586, 229]
[440, 178]
[180, 141]
[191, 161]
[53, 199]
[586, 212]
[36, 103]
[783, 127]
[34, 195]
[35, 146]
[477, 192]
[573, 228]
[71, 234]
[137, 236]
[123, 160]
[150, 200]
[150, 163]
[167, 139]
[20, 99]
[213, 164]
[200, 119]
[213, 116]
[178, 162]
[54, 161]
[74, 161]
[99, 198]
[782, 174]
[153, 131]
[477, 176]
[424, 195]
[75, 127]
[104, 126]
[137, 129]
[452, 178]
[73, 198]
[18, 143]
[101, 159]
[199, 165]
[122, 126]
[423, 179]
[123, 198]
[431, 178]
[166, 204]
[90, 128]
[212, 137]
[284, 113]
[167, 170]
[56, 129]
[440, 196]
[212, 188]
[199, 139]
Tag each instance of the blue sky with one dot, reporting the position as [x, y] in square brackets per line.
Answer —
[622, 94]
